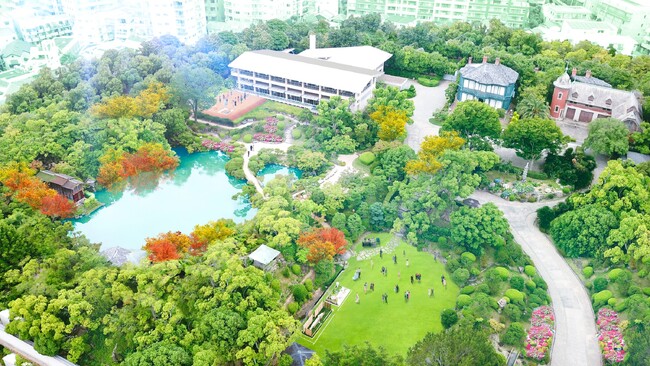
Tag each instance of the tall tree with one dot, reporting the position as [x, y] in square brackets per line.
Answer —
[533, 106]
[430, 151]
[196, 87]
[478, 228]
[608, 136]
[458, 346]
[532, 136]
[392, 123]
[473, 118]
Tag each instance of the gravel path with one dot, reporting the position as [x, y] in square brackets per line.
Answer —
[575, 342]
[427, 100]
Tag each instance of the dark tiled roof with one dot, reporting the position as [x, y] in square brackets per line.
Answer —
[490, 74]
[592, 80]
[299, 353]
[60, 180]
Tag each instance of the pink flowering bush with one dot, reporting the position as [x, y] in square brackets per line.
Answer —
[218, 146]
[270, 129]
[540, 334]
[267, 137]
[610, 335]
[271, 121]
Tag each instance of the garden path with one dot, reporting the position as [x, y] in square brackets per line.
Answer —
[427, 100]
[388, 248]
[257, 146]
[575, 341]
[338, 170]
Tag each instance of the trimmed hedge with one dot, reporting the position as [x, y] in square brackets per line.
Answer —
[367, 158]
[614, 274]
[514, 295]
[611, 302]
[530, 285]
[218, 120]
[468, 257]
[248, 138]
[296, 269]
[467, 290]
[530, 271]
[646, 291]
[463, 300]
[293, 307]
[503, 272]
[296, 133]
[601, 298]
[588, 271]
[281, 125]
[428, 81]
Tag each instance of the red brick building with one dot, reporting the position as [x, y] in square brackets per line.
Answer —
[585, 98]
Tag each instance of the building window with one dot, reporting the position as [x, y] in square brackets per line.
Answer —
[557, 109]
[559, 96]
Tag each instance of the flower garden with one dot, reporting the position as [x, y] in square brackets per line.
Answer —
[270, 129]
[540, 334]
[610, 335]
[218, 146]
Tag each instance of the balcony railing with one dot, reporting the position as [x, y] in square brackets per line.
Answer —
[484, 95]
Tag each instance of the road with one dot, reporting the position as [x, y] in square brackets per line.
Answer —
[427, 100]
[575, 342]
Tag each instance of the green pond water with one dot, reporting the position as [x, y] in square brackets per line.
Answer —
[198, 191]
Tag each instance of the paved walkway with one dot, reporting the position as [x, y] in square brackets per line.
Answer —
[575, 342]
[427, 100]
[335, 174]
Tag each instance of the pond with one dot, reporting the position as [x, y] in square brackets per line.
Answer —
[198, 191]
[269, 172]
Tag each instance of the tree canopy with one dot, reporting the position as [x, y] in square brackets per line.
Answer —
[608, 136]
[530, 137]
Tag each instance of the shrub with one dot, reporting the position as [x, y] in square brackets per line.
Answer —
[588, 272]
[544, 217]
[484, 288]
[293, 307]
[514, 336]
[643, 273]
[275, 285]
[300, 293]
[296, 133]
[281, 125]
[467, 290]
[530, 285]
[530, 271]
[285, 360]
[428, 81]
[411, 92]
[513, 312]
[448, 318]
[539, 281]
[503, 272]
[611, 302]
[296, 269]
[634, 290]
[502, 112]
[537, 175]
[646, 291]
[467, 258]
[614, 274]
[514, 295]
[452, 265]
[621, 306]
[285, 272]
[474, 271]
[601, 298]
[460, 276]
[309, 285]
[600, 283]
[235, 137]
[367, 158]
[248, 138]
[463, 300]
[517, 282]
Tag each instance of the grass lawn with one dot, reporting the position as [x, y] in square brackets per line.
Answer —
[397, 325]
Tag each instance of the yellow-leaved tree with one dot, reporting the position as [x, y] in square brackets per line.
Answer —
[431, 149]
[391, 121]
[144, 105]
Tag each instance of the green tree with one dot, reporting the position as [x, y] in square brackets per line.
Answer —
[584, 231]
[533, 106]
[531, 137]
[573, 167]
[355, 226]
[377, 216]
[608, 136]
[196, 87]
[159, 354]
[365, 355]
[478, 228]
[514, 335]
[630, 242]
[390, 96]
[473, 118]
[458, 346]
[448, 318]
[638, 345]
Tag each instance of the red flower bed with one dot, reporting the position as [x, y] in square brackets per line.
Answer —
[540, 334]
[218, 146]
[610, 336]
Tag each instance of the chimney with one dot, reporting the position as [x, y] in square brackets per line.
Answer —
[497, 61]
[469, 60]
[485, 59]
[588, 74]
[574, 72]
[312, 41]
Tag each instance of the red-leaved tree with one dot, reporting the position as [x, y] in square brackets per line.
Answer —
[323, 244]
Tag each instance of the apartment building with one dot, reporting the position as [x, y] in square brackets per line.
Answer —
[242, 13]
[556, 14]
[631, 17]
[34, 28]
[513, 13]
[184, 19]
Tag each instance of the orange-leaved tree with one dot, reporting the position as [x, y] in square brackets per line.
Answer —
[166, 246]
[26, 188]
[117, 166]
[203, 235]
[144, 105]
[323, 244]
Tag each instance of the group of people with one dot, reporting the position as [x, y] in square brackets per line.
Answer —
[365, 287]
[226, 98]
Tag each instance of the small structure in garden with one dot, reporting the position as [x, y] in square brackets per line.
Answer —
[65, 185]
[264, 257]
[317, 317]
[367, 242]
[298, 353]
[338, 296]
[116, 255]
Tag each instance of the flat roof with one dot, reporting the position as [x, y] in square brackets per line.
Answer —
[366, 57]
[588, 24]
[264, 254]
[305, 69]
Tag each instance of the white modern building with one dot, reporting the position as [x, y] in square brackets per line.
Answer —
[184, 19]
[600, 33]
[34, 28]
[306, 79]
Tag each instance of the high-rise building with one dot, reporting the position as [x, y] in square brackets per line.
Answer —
[242, 13]
[631, 17]
[184, 19]
[513, 13]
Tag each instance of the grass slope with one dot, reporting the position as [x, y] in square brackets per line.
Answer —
[397, 325]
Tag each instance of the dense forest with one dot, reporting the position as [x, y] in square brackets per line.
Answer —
[196, 303]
